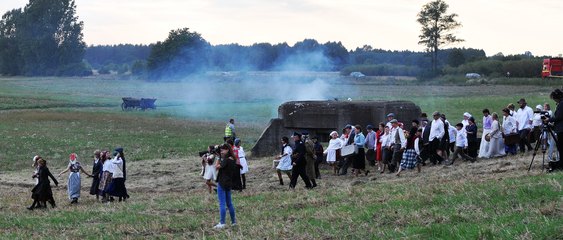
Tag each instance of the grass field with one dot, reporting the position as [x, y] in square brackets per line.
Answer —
[492, 199]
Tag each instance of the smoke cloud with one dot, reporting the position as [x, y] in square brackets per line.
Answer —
[252, 95]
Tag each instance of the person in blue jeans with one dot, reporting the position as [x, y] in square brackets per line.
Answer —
[228, 171]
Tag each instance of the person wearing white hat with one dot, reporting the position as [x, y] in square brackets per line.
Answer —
[465, 120]
[334, 145]
[536, 123]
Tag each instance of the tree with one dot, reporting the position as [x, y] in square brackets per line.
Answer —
[181, 54]
[436, 28]
[48, 36]
[10, 59]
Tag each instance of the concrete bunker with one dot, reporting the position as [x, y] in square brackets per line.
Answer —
[319, 118]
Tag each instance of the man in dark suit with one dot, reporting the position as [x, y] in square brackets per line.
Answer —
[299, 163]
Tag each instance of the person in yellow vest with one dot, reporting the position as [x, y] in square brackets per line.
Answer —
[230, 130]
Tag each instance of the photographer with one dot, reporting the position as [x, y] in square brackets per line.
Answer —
[537, 123]
[557, 120]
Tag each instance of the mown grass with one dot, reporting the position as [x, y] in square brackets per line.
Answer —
[525, 207]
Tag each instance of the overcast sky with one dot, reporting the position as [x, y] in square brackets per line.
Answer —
[507, 26]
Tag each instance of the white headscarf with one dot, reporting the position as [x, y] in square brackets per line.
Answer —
[334, 132]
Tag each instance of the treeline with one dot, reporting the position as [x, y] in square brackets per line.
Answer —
[491, 67]
[42, 39]
[106, 55]
[379, 62]
[185, 52]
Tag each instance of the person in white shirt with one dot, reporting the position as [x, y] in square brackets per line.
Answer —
[461, 144]
[437, 132]
[387, 152]
[390, 117]
[465, 120]
[209, 170]
[334, 145]
[284, 160]
[117, 186]
[536, 124]
[242, 159]
[524, 117]
[508, 128]
[105, 179]
[452, 132]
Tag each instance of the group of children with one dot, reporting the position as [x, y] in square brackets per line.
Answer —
[108, 175]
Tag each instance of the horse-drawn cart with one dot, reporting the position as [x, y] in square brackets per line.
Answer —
[135, 103]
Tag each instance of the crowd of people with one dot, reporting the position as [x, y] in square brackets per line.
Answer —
[391, 146]
[109, 175]
[394, 146]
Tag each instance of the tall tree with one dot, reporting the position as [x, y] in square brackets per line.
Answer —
[10, 59]
[437, 27]
[182, 53]
[49, 38]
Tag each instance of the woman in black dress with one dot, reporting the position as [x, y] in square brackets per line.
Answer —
[42, 192]
[96, 170]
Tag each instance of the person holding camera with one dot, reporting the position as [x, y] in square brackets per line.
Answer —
[557, 120]
[539, 114]
[550, 139]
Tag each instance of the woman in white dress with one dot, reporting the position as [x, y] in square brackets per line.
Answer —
[210, 172]
[487, 128]
[242, 158]
[496, 144]
[331, 151]
[284, 160]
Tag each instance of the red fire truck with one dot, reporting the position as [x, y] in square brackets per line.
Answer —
[552, 67]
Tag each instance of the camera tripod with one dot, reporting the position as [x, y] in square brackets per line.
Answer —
[542, 141]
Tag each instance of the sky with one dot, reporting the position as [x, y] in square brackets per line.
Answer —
[507, 26]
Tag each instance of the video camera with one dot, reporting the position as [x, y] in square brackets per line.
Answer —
[544, 114]
[215, 150]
